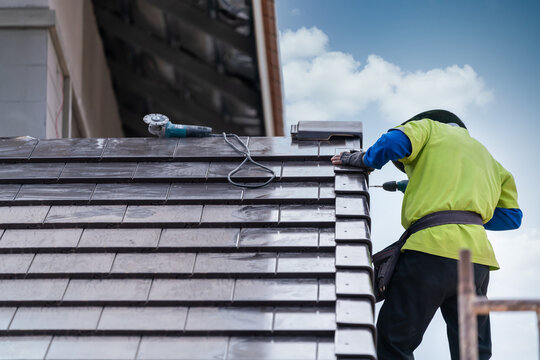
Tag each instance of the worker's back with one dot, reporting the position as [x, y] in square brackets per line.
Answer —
[449, 170]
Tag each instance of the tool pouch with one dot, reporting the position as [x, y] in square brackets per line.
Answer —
[385, 261]
[384, 264]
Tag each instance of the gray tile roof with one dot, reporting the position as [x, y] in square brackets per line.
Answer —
[141, 249]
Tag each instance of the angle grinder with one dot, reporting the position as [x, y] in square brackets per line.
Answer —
[160, 125]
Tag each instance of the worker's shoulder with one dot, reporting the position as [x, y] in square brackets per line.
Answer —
[422, 124]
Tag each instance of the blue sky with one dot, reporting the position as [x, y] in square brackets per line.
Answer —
[381, 62]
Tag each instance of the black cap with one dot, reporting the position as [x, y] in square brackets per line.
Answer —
[442, 116]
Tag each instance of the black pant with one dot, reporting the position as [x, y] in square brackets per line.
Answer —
[420, 285]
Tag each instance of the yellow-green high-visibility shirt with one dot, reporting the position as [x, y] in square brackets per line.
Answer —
[449, 170]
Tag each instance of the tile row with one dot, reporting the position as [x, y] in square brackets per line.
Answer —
[167, 148]
[120, 265]
[28, 172]
[164, 291]
[179, 319]
[164, 193]
[348, 284]
[169, 239]
[174, 215]
[166, 347]
[353, 252]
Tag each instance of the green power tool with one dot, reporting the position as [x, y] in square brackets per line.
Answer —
[394, 185]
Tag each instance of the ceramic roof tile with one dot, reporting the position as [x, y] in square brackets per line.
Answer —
[163, 214]
[293, 319]
[119, 238]
[183, 348]
[23, 215]
[251, 263]
[56, 318]
[17, 148]
[132, 193]
[172, 170]
[40, 193]
[195, 238]
[24, 347]
[15, 263]
[40, 238]
[143, 318]
[351, 184]
[30, 172]
[6, 314]
[226, 214]
[102, 170]
[107, 290]
[287, 237]
[285, 191]
[154, 263]
[32, 290]
[69, 148]
[9, 191]
[285, 290]
[230, 318]
[207, 192]
[279, 348]
[93, 347]
[194, 290]
[68, 263]
[85, 214]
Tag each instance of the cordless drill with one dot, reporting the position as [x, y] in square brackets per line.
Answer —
[394, 185]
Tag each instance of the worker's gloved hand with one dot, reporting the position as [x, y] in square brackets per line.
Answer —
[351, 158]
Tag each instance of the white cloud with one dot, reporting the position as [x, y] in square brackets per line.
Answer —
[327, 85]
[303, 43]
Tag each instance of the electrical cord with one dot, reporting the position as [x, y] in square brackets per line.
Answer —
[247, 156]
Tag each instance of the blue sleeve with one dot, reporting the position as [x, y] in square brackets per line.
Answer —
[504, 219]
[393, 145]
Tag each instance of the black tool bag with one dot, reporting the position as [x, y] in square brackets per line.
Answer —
[385, 261]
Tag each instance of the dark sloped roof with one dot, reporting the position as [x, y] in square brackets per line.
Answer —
[141, 249]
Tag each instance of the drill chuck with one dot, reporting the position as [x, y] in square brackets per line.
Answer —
[394, 185]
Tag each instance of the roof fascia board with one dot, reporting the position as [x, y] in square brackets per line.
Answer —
[274, 68]
[263, 66]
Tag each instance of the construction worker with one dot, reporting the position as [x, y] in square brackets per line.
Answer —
[447, 170]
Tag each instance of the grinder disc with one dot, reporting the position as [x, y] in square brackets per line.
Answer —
[156, 119]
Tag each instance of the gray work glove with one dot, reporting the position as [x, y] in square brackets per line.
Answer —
[355, 158]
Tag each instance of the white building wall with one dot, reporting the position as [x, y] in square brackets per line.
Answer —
[23, 82]
[54, 78]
